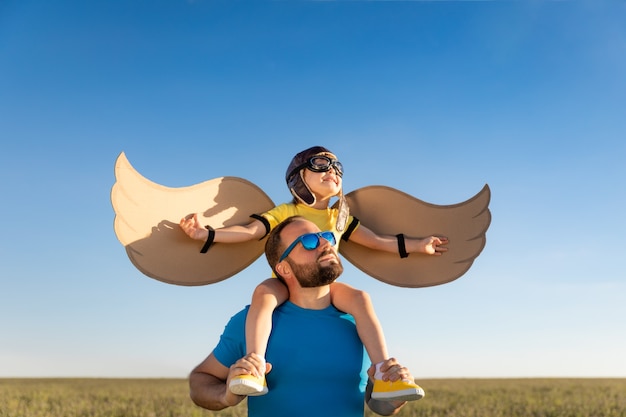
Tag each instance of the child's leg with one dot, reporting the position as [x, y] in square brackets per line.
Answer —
[266, 297]
[359, 304]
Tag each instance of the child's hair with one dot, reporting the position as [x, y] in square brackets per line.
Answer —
[295, 178]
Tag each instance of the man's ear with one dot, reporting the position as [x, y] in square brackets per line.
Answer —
[279, 268]
[283, 268]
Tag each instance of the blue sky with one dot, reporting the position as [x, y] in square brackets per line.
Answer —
[435, 98]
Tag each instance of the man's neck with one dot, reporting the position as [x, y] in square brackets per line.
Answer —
[317, 298]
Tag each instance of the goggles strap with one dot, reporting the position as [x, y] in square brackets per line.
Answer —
[344, 213]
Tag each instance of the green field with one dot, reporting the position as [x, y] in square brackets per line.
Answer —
[444, 397]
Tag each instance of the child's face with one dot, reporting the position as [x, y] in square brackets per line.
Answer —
[323, 184]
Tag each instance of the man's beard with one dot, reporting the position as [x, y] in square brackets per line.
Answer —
[315, 275]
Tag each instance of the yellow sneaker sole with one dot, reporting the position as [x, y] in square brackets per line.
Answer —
[248, 385]
[396, 391]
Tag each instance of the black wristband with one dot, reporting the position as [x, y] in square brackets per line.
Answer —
[401, 248]
[209, 239]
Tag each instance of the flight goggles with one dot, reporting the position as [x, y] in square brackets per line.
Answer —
[309, 241]
[321, 163]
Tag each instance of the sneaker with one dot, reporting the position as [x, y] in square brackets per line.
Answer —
[248, 385]
[401, 390]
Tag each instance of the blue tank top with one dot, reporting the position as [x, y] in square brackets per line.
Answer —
[319, 363]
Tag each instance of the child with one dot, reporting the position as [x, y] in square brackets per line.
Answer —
[314, 176]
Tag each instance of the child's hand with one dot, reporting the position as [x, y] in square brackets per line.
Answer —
[192, 227]
[433, 245]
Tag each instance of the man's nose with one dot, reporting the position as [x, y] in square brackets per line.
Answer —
[324, 244]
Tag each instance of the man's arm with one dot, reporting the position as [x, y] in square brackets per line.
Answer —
[208, 385]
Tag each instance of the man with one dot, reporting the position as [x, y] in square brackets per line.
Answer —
[318, 361]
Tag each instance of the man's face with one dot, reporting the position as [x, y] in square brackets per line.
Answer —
[312, 268]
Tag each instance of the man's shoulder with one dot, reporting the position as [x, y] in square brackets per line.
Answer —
[239, 318]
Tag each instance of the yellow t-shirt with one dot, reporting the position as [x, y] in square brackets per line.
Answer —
[324, 219]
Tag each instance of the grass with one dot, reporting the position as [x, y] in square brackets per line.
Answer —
[444, 397]
[521, 398]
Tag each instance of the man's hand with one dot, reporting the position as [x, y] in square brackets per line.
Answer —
[392, 371]
[251, 364]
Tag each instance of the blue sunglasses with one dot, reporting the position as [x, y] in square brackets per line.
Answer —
[309, 241]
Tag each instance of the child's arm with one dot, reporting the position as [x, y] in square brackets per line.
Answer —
[231, 234]
[431, 245]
